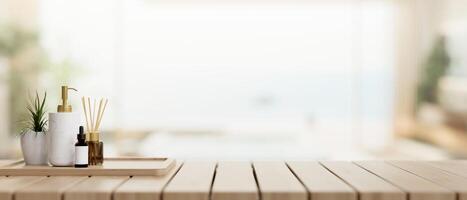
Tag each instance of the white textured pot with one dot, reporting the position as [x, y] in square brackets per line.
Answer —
[61, 134]
[34, 147]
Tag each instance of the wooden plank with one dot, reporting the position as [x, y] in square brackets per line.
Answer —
[435, 175]
[322, 184]
[112, 167]
[11, 184]
[95, 188]
[453, 166]
[417, 188]
[144, 187]
[192, 182]
[277, 182]
[234, 181]
[369, 186]
[50, 188]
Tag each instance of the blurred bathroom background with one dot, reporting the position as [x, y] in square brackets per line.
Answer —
[246, 79]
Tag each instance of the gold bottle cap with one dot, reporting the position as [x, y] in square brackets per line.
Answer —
[94, 136]
[65, 107]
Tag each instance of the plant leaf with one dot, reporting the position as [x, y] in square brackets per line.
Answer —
[36, 109]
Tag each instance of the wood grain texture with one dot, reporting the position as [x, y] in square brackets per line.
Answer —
[95, 188]
[50, 188]
[192, 182]
[458, 167]
[418, 188]
[9, 185]
[111, 167]
[144, 187]
[372, 180]
[322, 184]
[234, 181]
[277, 182]
[369, 186]
[435, 175]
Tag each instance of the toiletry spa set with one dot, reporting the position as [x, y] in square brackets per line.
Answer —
[68, 144]
[70, 148]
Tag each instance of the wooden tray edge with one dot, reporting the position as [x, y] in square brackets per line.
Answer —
[137, 158]
[6, 170]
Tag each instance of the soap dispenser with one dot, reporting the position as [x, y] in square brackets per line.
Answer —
[61, 133]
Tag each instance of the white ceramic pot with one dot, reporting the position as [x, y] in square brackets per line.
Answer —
[34, 147]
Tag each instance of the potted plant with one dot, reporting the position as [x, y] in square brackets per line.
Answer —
[33, 138]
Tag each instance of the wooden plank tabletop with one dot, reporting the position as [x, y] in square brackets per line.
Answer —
[276, 181]
[368, 185]
[97, 187]
[192, 182]
[292, 180]
[234, 181]
[321, 183]
[417, 187]
[442, 178]
[144, 187]
[50, 188]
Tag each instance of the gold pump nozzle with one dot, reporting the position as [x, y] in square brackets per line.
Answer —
[65, 107]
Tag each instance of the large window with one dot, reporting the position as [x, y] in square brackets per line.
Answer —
[301, 75]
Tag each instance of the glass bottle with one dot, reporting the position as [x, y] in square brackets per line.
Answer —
[96, 149]
[81, 150]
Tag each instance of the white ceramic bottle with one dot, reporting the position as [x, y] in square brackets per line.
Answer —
[62, 127]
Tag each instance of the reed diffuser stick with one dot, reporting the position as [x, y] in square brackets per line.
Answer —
[98, 115]
[101, 113]
[85, 113]
[90, 114]
[94, 115]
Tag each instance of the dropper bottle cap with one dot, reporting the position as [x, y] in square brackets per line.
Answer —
[65, 107]
[81, 136]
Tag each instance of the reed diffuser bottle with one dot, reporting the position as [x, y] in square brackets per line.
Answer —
[96, 147]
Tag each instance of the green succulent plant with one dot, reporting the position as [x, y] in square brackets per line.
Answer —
[37, 114]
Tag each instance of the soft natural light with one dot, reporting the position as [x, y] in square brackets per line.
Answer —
[300, 72]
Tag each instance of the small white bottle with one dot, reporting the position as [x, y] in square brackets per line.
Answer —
[61, 133]
[81, 150]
